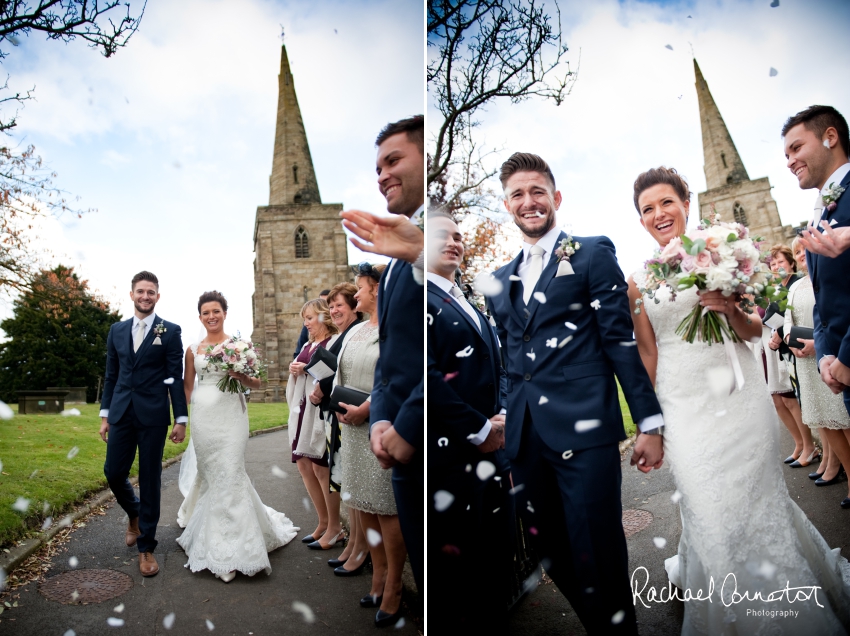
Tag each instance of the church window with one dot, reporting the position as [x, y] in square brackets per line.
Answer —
[740, 215]
[723, 159]
[295, 173]
[302, 243]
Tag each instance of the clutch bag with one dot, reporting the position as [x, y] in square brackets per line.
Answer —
[346, 395]
[806, 333]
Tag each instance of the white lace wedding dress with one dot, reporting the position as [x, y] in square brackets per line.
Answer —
[737, 516]
[227, 527]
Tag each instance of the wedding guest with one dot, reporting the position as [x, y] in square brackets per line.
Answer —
[778, 375]
[468, 536]
[821, 408]
[397, 409]
[303, 336]
[817, 145]
[342, 306]
[307, 430]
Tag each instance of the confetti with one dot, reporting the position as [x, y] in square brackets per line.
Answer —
[767, 570]
[774, 4]
[118, 608]
[168, 621]
[487, 284]
[6, 412]
[773, 72]
[531, 355]
[516, 489]
[543, 400]
[168, 381]
[485, 470]
[530, 507]
[442, 442]
[430, 319]
[115, 622]
[45, 507]
[552, 342]
[451, 376]
[1, 466]
[73, 561]
[666, 46]
[570, 325]
[307, 503]
[582, 426]
[630, 343]
[65, 521]
[47, 523]
[33, 473]
[70, 632]
[566, 454]
[595, 304]
[210, 625]
[442, 500]
[659, 542]
[73, 452]
[676, 497]
[613, 288]
[75, 595]
[617, 618]
[574, 307]
[2, 579]
[70, 412]
[346, 496]
[514, 277]
[400, 623]
[373, 537]
[277, 471]
[21, 505]
[539, 297]
[469, 468]
[465, 353]
[564, 342]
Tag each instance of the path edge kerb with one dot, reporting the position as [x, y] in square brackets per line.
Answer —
[20, 553]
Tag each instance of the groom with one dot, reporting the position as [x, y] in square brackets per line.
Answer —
[144, 365]
[564, 322]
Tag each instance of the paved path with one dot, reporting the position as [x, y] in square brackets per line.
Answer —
[260, 605]
[545, 611]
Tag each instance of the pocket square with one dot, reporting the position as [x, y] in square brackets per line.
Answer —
[833, 222]
[564, 269]
[156, 341]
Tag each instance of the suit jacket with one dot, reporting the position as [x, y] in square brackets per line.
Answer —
[463, 392]
[831, 285]
[139, 377]
[563, 375]
[398, 393]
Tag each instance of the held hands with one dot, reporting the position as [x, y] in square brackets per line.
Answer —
[104, 429]
[648, 452]
[826, 374]
[397, 446]
[830, 242]
[178, 433]
[392, 235]
[297, 368]
[354, 415]
[496, 437]
[376, 442]
[840, 372]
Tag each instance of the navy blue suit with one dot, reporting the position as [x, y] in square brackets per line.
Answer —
[831, 285]
[137, 397]
[469, 549]
[398, 397]
[560, 374]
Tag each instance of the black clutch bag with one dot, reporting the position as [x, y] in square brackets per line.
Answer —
[322, 365]
[806, 333]
[346, 395]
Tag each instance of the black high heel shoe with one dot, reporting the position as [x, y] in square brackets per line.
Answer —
[383, 619]
[816, 475]
[814, 457]
[839, 477]
[339, 538]
[341, 571]
[846, 503]
[335, 563]
[371, 601]
[310, 538]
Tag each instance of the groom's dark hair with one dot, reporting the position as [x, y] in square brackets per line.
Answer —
[817, 119]
[413, 126]
[525, 162]
[148, 276]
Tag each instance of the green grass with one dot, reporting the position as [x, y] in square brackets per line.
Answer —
[34, 452]
[627, 416]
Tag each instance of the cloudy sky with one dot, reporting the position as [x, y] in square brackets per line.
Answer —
[635, 105]
[171, 139]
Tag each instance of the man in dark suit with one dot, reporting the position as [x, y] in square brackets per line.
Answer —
[817, 146]
[469, 554]
[144, 366]
[564, 321]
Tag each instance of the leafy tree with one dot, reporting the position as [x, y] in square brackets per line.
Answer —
[57, 336]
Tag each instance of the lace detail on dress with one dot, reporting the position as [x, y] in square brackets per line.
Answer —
[737, 516]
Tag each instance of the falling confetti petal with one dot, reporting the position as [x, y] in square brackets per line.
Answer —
[582, 426]
[659, 542]
[720, 381]
[21, 504]
[6, 412]
[346, 496]
[45, 507]
[676, 497]
[116, 622]
[33, 473]
[70, 412]
[373, 537]
[564, 342]
[430, 319]
[531, 355]
[70, 632]
[73, 561]
[485, 470]
[168, 621]
[540, 297]
[47, 523]
[767, 569]
[516, 489]
[574, 307]
[306, 502]
[595, 304]
[630, 343]
[487, 284]
[210, 625]
[552, 342]
[65, 521]
[666, 46]
[304, 609]
[442, 500]
[465, 353]
[613, 288]
[443, 441]
[543, 399]
[566, 454]
[451, 376]
[774, 4]
[75, 595]
[168, 381]
[773, 72]
[570, 325]
[277, 471]
[118, 608]
[2, 579]
[400, 623]
[73, 452]
[617, 618]
[514, 277]
[1, 466]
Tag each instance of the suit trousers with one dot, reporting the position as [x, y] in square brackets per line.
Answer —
[573, 510]
[124, 437]
[409, 488]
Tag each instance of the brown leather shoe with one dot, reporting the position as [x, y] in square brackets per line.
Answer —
[147, 564]
[132, 532]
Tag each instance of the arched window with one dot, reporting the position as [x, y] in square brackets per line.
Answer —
[302, 243]
[740, 215]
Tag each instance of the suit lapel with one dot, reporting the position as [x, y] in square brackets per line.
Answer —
[508, 285]
[546, 277]
[455, 306]
[814, 258]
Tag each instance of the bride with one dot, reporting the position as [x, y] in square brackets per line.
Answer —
[227, 527]
[739, 523]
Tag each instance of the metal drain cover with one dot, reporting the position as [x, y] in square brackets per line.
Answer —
[635, 521]
[91, 586]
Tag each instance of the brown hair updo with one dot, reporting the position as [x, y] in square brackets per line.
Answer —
[656, 176]
[212, 297]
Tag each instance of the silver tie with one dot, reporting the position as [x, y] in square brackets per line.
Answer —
[140, 336]
[463, 302]
[535, 268]
[820, 204]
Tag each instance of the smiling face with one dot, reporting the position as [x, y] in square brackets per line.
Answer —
[315, 327]
[401, 174]
[367, 294]
[800, 256]
[808, 159]
[778, 261]
[145, 295]
[532, 201]
[212, 317]
[663, 213]
[341, 314]
[445, 246]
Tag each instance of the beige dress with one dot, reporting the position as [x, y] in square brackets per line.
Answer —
[821, 407]
[369, 486]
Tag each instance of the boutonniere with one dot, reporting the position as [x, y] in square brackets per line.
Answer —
[158, 330]
[567, 248]
[832, 195]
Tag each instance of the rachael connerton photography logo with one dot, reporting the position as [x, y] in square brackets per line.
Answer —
[728, 593]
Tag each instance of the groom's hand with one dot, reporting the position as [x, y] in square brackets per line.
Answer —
[104, 429]
[178, 433]
[648, 452]
[840, 372]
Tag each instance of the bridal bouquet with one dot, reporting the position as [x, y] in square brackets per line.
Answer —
[716, 256]
[236, 355]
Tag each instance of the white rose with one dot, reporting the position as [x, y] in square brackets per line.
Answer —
[719, 278]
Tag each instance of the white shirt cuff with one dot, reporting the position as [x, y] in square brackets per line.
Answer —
[182, 419]
[482, 434]
[651, 422]
[104, 412]
[503, 412]
[821, 359]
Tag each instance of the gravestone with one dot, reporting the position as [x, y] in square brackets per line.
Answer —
[76, 394]
[39, 402]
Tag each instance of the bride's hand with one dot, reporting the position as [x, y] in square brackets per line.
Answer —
[716, 301]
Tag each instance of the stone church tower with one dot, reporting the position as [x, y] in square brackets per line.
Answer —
[735, 196]
[299, 244]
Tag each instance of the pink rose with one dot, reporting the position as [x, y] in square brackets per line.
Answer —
[673, 251]
[688, 264]
[745, 267]
[702, 261]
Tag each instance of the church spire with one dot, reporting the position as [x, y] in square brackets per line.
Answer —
[723, 164]
[293, 179]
